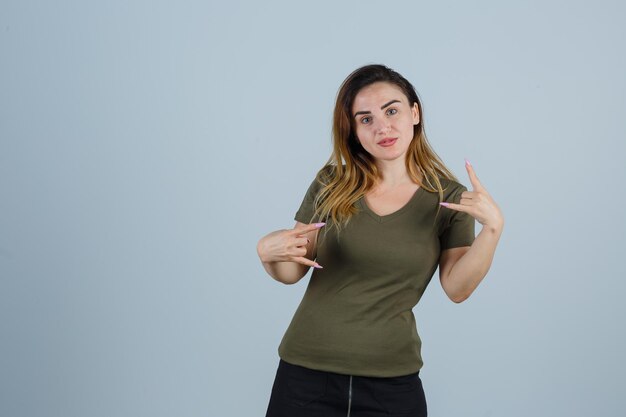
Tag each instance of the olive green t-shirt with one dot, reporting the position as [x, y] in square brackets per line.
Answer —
[356, 315]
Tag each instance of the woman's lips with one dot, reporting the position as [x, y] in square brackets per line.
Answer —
[387, 142]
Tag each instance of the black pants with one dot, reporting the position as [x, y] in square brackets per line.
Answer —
[304, 392]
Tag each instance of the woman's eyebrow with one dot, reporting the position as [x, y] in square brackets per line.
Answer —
[382, 107]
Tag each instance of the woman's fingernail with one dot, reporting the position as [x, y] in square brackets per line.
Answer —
[318, 225]
[467, 162]
[317, 266]
[445, 204]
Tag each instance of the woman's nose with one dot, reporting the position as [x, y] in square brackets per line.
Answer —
[383, 125]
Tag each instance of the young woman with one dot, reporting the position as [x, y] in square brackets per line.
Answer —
[375, 223]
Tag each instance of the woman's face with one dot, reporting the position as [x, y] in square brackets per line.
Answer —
[384, 120]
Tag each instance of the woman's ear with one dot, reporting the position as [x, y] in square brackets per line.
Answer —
[415, 112]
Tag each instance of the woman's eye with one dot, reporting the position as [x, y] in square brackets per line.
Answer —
[365, 120]
[392, 111]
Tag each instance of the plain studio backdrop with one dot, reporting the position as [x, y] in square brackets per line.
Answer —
[146, 146]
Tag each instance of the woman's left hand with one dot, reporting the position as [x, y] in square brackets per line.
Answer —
[478, 203]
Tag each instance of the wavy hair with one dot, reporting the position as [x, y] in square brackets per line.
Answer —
[350, 171]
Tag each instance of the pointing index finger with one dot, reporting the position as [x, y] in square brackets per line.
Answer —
[476, 185]
[308, 228]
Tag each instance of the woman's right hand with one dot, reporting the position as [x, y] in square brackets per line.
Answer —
[289, 245]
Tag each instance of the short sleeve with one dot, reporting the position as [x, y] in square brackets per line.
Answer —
[458, 228]
[307, 208]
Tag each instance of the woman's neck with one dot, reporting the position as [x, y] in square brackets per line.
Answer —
[394, 173]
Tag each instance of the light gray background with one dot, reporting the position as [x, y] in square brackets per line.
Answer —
[146, 146]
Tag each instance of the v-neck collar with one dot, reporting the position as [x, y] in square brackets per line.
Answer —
[381, 219]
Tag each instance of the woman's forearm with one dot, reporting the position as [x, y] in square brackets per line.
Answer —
[467, 273]
[285, 272]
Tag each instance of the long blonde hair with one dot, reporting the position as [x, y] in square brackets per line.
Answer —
[350, 171]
